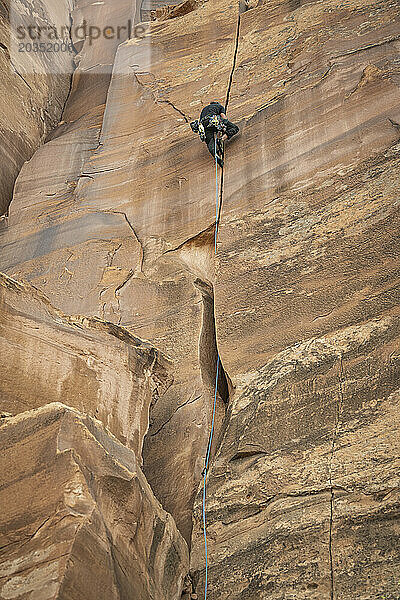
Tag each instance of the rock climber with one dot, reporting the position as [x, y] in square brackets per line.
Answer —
[213, 122]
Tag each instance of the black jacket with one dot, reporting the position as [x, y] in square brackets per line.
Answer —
[215, 108]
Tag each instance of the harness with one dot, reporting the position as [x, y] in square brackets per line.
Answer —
[210, 122]
[214, 122]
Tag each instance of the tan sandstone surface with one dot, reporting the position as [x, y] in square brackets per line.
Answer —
[84, 522]
[31, 103]
[102, 236]
[304, 493]
[86, 363]
[111, 286]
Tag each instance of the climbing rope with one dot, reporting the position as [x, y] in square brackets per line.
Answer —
[210, 439]
[216, 194]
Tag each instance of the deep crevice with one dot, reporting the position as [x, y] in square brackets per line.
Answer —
[208, 348]
[71, 81]
[209, 357]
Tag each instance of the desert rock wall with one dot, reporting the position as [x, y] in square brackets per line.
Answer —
[84, 521]
[303, 496]
[31, 103]
[123, 229]
[114, 304]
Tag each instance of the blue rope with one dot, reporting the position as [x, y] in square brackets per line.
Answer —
[216, 389]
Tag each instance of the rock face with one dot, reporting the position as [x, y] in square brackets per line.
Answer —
[130, 247]
[109, 253]
[303, 499]
[38, 99]
[318, 202]
[80, 519]
[87, 363]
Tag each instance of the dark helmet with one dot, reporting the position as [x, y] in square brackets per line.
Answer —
[215, 102]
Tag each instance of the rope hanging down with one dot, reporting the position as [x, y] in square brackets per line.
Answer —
[216, 387]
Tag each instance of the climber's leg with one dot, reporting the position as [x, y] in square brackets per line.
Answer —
[220, 151]
[210, 141]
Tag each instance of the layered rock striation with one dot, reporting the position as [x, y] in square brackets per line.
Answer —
[31, 102]
[84, 522]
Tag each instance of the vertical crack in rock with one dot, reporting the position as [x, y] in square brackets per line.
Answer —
[71, 81]
[208, 348]
[228, 92]
[208, 357]
[332, 498]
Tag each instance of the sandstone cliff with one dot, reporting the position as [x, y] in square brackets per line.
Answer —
[37, 100]
[114, 311]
